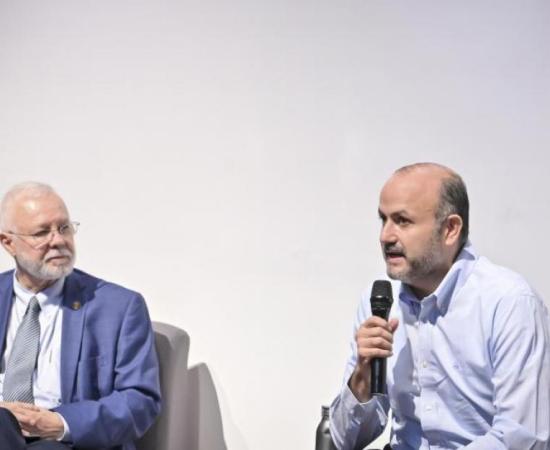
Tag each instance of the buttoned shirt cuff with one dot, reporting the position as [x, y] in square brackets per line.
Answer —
[354, 424]
[365, 412]
[66, 437]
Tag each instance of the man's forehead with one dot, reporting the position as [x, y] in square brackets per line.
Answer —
[26, 205]
[417, 189]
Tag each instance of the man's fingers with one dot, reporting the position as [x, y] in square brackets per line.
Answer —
[17, 411]
[29, 406]
[372, 333]
[374, 321]
[375, 338]
[22, 417]
[393, 323]
[26, 416]
[46, 424]
[28, 421]
[375, 342]
[370, 353]
[19, 406]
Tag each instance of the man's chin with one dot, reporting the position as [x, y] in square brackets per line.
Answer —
[46, 272]
[400, 275]
[56, 272]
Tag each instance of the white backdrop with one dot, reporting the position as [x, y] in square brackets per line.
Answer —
[224, 158]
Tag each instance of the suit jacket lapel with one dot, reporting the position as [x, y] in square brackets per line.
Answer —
[6, 300]
[71, 338]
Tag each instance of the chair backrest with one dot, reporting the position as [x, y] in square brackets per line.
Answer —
[170, 431]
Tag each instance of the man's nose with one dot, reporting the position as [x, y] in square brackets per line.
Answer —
[56, 238]
[387, 233]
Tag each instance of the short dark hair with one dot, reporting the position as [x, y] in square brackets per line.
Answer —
[453, 197]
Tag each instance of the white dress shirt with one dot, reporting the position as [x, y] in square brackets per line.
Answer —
[47, 376]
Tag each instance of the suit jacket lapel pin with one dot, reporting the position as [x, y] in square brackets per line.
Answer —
[76, 305]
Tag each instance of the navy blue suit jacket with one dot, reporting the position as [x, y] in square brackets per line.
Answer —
[110, 390]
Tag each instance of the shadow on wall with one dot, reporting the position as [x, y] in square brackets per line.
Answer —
[190, 417]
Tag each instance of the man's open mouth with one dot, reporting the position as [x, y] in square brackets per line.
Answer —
[393, 255]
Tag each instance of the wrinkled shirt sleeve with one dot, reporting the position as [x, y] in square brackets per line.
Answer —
[506, 339]
[520, 358]
[353, 425]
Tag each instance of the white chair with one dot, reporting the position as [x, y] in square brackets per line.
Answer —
[170, 431]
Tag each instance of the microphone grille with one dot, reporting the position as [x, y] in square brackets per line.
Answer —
[381, 288]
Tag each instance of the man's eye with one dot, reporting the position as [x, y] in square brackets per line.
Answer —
[41, 233]
[402, 221]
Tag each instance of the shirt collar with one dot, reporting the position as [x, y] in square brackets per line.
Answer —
[450, 285]
[49, 297]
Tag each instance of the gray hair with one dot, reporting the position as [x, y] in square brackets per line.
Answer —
[28, 188]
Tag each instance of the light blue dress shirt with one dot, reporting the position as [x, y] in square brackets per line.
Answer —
[470, 367]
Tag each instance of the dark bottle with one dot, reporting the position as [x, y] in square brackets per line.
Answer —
[323, 440]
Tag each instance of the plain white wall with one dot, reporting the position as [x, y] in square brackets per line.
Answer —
[224, 158]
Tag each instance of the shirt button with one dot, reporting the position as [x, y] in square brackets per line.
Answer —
[428, 407]
[424, 364]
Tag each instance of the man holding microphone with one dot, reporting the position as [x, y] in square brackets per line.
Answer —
[466, 343]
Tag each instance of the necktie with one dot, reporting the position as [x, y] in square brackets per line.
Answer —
[22, 360]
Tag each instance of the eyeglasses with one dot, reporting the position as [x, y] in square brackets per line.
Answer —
[43, 237]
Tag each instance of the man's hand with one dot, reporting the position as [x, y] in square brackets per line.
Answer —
[36, 421]
[17, 407]
[374, 339]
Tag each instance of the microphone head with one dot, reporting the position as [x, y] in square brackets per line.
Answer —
[381, 298]
[381, 288]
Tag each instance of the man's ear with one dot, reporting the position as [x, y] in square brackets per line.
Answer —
[452, 229]
[7, 243]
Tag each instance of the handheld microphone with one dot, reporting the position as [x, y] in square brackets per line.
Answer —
[381, 299]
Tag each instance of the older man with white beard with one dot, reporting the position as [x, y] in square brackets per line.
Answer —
[78, 364]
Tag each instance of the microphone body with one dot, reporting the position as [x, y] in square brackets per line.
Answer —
[381, 300]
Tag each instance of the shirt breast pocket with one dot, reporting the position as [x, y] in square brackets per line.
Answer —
[464, 398]
[449, 377]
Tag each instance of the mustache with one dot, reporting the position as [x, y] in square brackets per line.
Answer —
[54, 253]
[393, 249]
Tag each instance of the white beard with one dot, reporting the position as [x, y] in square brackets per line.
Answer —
[42, 271]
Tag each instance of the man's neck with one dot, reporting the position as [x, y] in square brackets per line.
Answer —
[429, 284]
[31, 283]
